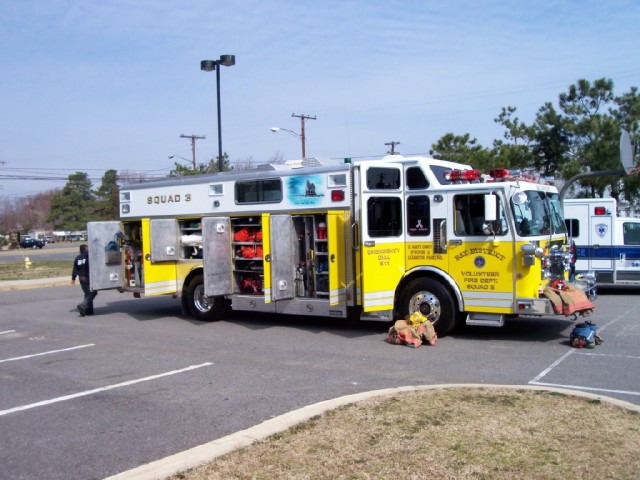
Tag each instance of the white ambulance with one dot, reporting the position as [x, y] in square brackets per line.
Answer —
[606, 244]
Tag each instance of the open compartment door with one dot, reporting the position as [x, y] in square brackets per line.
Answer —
[281, 257]
[105, 255]
[216, 239]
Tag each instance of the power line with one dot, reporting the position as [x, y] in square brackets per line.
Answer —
[392, 151]
[193, 145]
[302, 118]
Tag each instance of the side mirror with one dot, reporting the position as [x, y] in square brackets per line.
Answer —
[519, 198]
[490, 208]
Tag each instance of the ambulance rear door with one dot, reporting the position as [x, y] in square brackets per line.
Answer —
[601, 237]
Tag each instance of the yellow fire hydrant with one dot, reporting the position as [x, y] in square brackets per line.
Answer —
[27, 262]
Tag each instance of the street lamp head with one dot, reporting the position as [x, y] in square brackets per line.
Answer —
[227, 60]
[275, 129]
[208, 65]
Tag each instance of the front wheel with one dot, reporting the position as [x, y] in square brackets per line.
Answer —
[432, 300]
[200, 306]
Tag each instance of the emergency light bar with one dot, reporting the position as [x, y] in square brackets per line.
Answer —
[502, 174]
[458, 175]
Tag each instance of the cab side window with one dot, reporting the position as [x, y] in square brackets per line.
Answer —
[381, 178]
[384, 216]
[418, 216]
[469, 217]
[415, 179]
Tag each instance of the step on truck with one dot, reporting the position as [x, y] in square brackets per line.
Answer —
[606, 243]
[370, 240]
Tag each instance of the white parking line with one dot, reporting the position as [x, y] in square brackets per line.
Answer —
[7, 331]
[97, 390]
[47, 353]
[577, 387]
[536, 380]
[551, 367]
[634, 357]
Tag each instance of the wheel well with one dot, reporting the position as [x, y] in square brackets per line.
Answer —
[196, 271]
[438, 276]
[185, 286]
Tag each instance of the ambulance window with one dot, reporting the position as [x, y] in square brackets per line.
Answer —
[418, 219]
[383, 178]
[259, 191]
[631, 233]
[416, 179]
[384, 216]
[573, 227]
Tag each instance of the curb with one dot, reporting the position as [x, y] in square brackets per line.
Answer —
[7, 286]
[179, 462]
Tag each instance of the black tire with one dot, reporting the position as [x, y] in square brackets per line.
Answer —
[433, 300]
[201, 307]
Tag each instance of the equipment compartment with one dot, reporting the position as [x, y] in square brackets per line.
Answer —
[248, 267]
[190, 238]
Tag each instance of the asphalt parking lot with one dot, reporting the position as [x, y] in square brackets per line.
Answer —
[91, 397]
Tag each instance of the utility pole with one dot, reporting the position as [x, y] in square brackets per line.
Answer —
[393, 147]
[302, 118]
[193, 146]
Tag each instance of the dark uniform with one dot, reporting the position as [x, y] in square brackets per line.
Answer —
[81, 270]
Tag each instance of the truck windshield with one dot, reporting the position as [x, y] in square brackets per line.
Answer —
[539, 214]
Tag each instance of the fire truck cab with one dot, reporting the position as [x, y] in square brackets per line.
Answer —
[374, 240]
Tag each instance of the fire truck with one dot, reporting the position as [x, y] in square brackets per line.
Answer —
[369, 240]
[607, 244]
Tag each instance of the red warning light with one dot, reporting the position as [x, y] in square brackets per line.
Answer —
[600, 211]
[337, 195]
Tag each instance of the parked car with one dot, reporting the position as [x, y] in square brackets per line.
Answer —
[49, 239]
[29, 242]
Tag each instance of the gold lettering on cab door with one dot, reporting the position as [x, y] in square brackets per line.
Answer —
[480, 279]
[384, 255]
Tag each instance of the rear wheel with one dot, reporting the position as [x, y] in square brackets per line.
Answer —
[433, 300]
[200, 306]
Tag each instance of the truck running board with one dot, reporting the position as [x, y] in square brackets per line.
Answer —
[378, 316]
[485, 319]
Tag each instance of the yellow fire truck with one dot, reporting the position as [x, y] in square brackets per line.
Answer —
[374, 240]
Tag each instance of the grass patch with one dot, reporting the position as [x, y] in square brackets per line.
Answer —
[443, 434]
[38, 269]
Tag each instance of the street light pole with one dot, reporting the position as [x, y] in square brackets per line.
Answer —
[301, 135]
[171, 157]
[208, 66]
[290, 132]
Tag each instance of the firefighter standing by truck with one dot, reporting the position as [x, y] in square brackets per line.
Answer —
[81, 271]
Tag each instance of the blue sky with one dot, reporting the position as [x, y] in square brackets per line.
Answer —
[95, 85]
